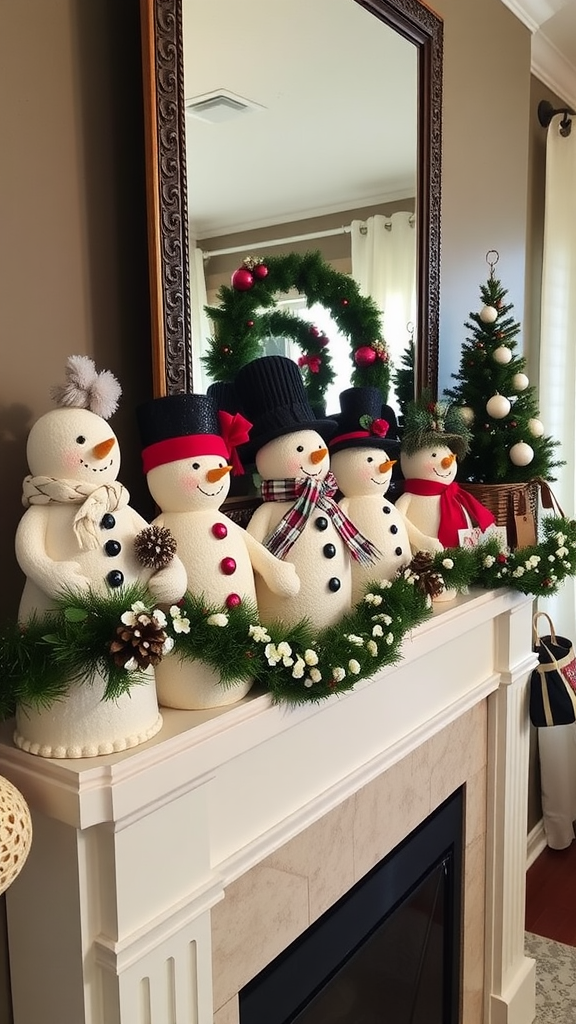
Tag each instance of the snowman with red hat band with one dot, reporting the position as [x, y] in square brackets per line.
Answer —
[299, 519]
[189, 451]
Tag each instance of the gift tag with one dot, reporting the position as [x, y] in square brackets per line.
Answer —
[525, 529]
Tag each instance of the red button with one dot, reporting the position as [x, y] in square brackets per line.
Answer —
[233, 600]
[220, 530]
[228, 566]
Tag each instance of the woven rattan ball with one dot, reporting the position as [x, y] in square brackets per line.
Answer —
[15, 832]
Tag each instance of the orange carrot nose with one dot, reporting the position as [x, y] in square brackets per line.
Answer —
[100, 451]
[213, 475]
[448, 460]
[385, 466]
[317, 455]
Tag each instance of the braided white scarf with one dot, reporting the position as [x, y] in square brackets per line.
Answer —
[96, 501]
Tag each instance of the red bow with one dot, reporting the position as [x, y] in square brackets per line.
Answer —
[235, 431]
[312, 362]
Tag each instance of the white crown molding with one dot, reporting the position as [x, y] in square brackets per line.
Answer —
[533, 13]
[550, 66]
[547, 63]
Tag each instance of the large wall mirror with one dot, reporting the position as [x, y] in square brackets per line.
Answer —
[341, 120]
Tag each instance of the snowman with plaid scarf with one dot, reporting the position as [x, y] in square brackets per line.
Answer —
[299, 520]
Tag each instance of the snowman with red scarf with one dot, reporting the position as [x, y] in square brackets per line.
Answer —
[299, 521]
[435, 437]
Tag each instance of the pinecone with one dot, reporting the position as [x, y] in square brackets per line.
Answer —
[143, 641]
[155, 547]
[428, 579]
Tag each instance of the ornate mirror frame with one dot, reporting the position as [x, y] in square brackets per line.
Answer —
[167, 185]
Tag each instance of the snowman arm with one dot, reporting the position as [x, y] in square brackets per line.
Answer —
[259, 524]
[280, 577]
[419, 541]
[168, 585]
[403, 503]
[51, 576]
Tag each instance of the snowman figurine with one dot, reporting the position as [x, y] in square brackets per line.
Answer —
[189, 450]
[435, 437]
[299, 520]
[79, 531]
[360, 459]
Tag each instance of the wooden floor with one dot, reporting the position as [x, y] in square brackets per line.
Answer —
[551, 895]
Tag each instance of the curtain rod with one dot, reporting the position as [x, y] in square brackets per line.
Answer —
[286, 241]
[546, 112]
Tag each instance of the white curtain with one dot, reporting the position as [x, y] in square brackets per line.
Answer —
[557, 391]
[200, 323]
[384, 267]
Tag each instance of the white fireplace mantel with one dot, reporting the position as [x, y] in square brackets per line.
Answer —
[110, 919]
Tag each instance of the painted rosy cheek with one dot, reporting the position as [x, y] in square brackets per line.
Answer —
[72, 458]
[190, 484]
[295, 465]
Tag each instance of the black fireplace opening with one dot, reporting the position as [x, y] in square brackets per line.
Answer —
[388, 952]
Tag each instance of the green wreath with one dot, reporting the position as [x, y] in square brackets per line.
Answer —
[247, 313]
[119, 635]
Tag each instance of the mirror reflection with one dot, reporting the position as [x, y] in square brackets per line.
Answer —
[301, 135]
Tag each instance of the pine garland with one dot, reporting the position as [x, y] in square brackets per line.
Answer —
[297, 664]
[247, 314]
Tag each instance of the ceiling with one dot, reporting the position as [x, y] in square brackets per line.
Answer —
[321, 75]
[326, 135]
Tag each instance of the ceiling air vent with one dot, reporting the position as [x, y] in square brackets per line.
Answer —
[219, 106]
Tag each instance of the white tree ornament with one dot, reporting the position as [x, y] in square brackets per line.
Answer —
[488, 314]
[502, 355]
[521, 454]
[520, 382]
[498, 407]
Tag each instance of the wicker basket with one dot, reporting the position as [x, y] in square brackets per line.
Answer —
[507, 500]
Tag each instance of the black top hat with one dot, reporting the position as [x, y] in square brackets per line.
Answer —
[362, 422]
[223, 394]
[181, 426]
[273, 397]
[162, 419]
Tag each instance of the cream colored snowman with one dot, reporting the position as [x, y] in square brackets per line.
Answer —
[359, 459]
[79, 533]
[435, 438]
[78, 530]
[299, 520]
[187, 444]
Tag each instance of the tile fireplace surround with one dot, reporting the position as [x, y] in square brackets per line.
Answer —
[161, 880]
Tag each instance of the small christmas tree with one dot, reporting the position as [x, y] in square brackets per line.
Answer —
[496, 399]
[403, 378]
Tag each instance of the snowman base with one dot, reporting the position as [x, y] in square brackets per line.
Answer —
[194, 686]
[82, 724]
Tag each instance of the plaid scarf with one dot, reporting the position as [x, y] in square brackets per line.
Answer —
[307, 496]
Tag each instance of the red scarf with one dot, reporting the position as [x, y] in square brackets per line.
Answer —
[453, 499]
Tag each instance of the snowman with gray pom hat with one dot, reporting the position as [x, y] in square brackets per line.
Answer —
[79, 531]
[299, 520]
[362, 459]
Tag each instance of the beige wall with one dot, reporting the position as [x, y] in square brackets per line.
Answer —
[73, 276]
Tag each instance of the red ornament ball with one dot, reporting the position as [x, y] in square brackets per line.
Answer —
[226, 350]
[242, 279]
[501, 559]
[249, 323]
[344, 302]
[364, 356]
[260, 271]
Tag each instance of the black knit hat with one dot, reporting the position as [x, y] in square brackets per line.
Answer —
[181, 426]
[223, 394]
[273, 397]
[362, 423]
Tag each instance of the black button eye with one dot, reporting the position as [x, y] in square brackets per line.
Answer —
[369, 459]
[300, 448]
[195, 465]
[434, 455]
[80, 439]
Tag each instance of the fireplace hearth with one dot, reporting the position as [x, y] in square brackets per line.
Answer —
[388, 950]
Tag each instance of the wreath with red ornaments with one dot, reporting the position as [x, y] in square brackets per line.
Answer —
[247, 313]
